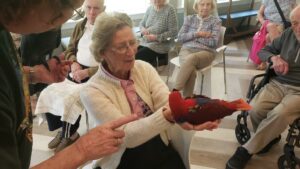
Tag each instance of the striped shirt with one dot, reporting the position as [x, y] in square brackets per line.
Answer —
[193, 24]
[163, 24]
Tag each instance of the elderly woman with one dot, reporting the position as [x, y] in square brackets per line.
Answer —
[268, 11]
[199, 35]
[60, 101]
[158, 27]
[31, 16]
[123, 86]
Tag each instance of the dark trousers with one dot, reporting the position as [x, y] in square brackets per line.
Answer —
[148, 55]
[68, 129]
[153, 154]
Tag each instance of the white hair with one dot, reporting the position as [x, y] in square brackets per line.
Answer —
[196, 2]
[106, 25]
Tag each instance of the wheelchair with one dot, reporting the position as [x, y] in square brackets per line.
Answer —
[288, 160]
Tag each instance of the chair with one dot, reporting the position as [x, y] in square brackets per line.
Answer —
[220, 58]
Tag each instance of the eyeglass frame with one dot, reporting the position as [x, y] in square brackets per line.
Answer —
[125, 47]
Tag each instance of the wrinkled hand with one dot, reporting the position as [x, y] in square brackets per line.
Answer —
[102, 140]
[210, 125]
[188, 126]
[150, 37]
[279, 65]
[145, 31]
[204, 34]
[57, 71]
[75, 66]
[80, 75]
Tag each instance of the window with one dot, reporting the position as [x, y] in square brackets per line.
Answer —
[129, 7]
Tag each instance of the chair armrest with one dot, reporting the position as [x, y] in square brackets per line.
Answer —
[222, 48]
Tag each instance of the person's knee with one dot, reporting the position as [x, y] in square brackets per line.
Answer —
[285, 115]
[201, 59]
[257, 110]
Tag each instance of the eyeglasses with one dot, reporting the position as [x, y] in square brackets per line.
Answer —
[122, 49]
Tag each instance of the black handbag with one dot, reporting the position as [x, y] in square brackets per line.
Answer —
[285, 22]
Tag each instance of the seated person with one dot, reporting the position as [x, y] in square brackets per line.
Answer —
[268, 11]
[57, 99]
[158, 27]
[199, 36]
[123, 86]
[276, 105]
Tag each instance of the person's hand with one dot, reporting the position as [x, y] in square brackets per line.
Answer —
[80, 75]
[188, 126]
[150, 37]
[102, 140]
[145, 31]
[279, 65]
[58, 69]
[168, 114]
[210, 125]
[75, 66]
[204, 34]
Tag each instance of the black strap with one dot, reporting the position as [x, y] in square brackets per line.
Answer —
[286, 24]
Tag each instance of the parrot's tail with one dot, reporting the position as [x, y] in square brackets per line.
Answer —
[240, 104]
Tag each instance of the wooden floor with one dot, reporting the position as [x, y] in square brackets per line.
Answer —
[208, 149]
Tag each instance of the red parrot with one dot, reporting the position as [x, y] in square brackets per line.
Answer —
[200, 109]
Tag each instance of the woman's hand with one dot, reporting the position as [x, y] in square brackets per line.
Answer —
[80, 75]
[145, 31]
[203, 34]
[210, 125]
[102, 140]
[150, 37]
[75, 66]
[168, 114]
[57, 71]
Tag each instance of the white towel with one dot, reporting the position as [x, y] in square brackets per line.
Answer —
[60, 99]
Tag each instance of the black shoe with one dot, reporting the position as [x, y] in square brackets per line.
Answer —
[239, 159]
[270, 145]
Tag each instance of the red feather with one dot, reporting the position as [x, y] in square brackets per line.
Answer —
[201, 109]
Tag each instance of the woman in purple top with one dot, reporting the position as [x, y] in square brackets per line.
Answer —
[199, 37]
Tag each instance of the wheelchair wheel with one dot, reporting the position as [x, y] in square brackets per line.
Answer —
[284, 164]
[242, 134]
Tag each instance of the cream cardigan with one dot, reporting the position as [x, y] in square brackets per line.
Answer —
[105, 100]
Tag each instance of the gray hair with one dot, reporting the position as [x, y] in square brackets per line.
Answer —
[213, 5]
[106, 25]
